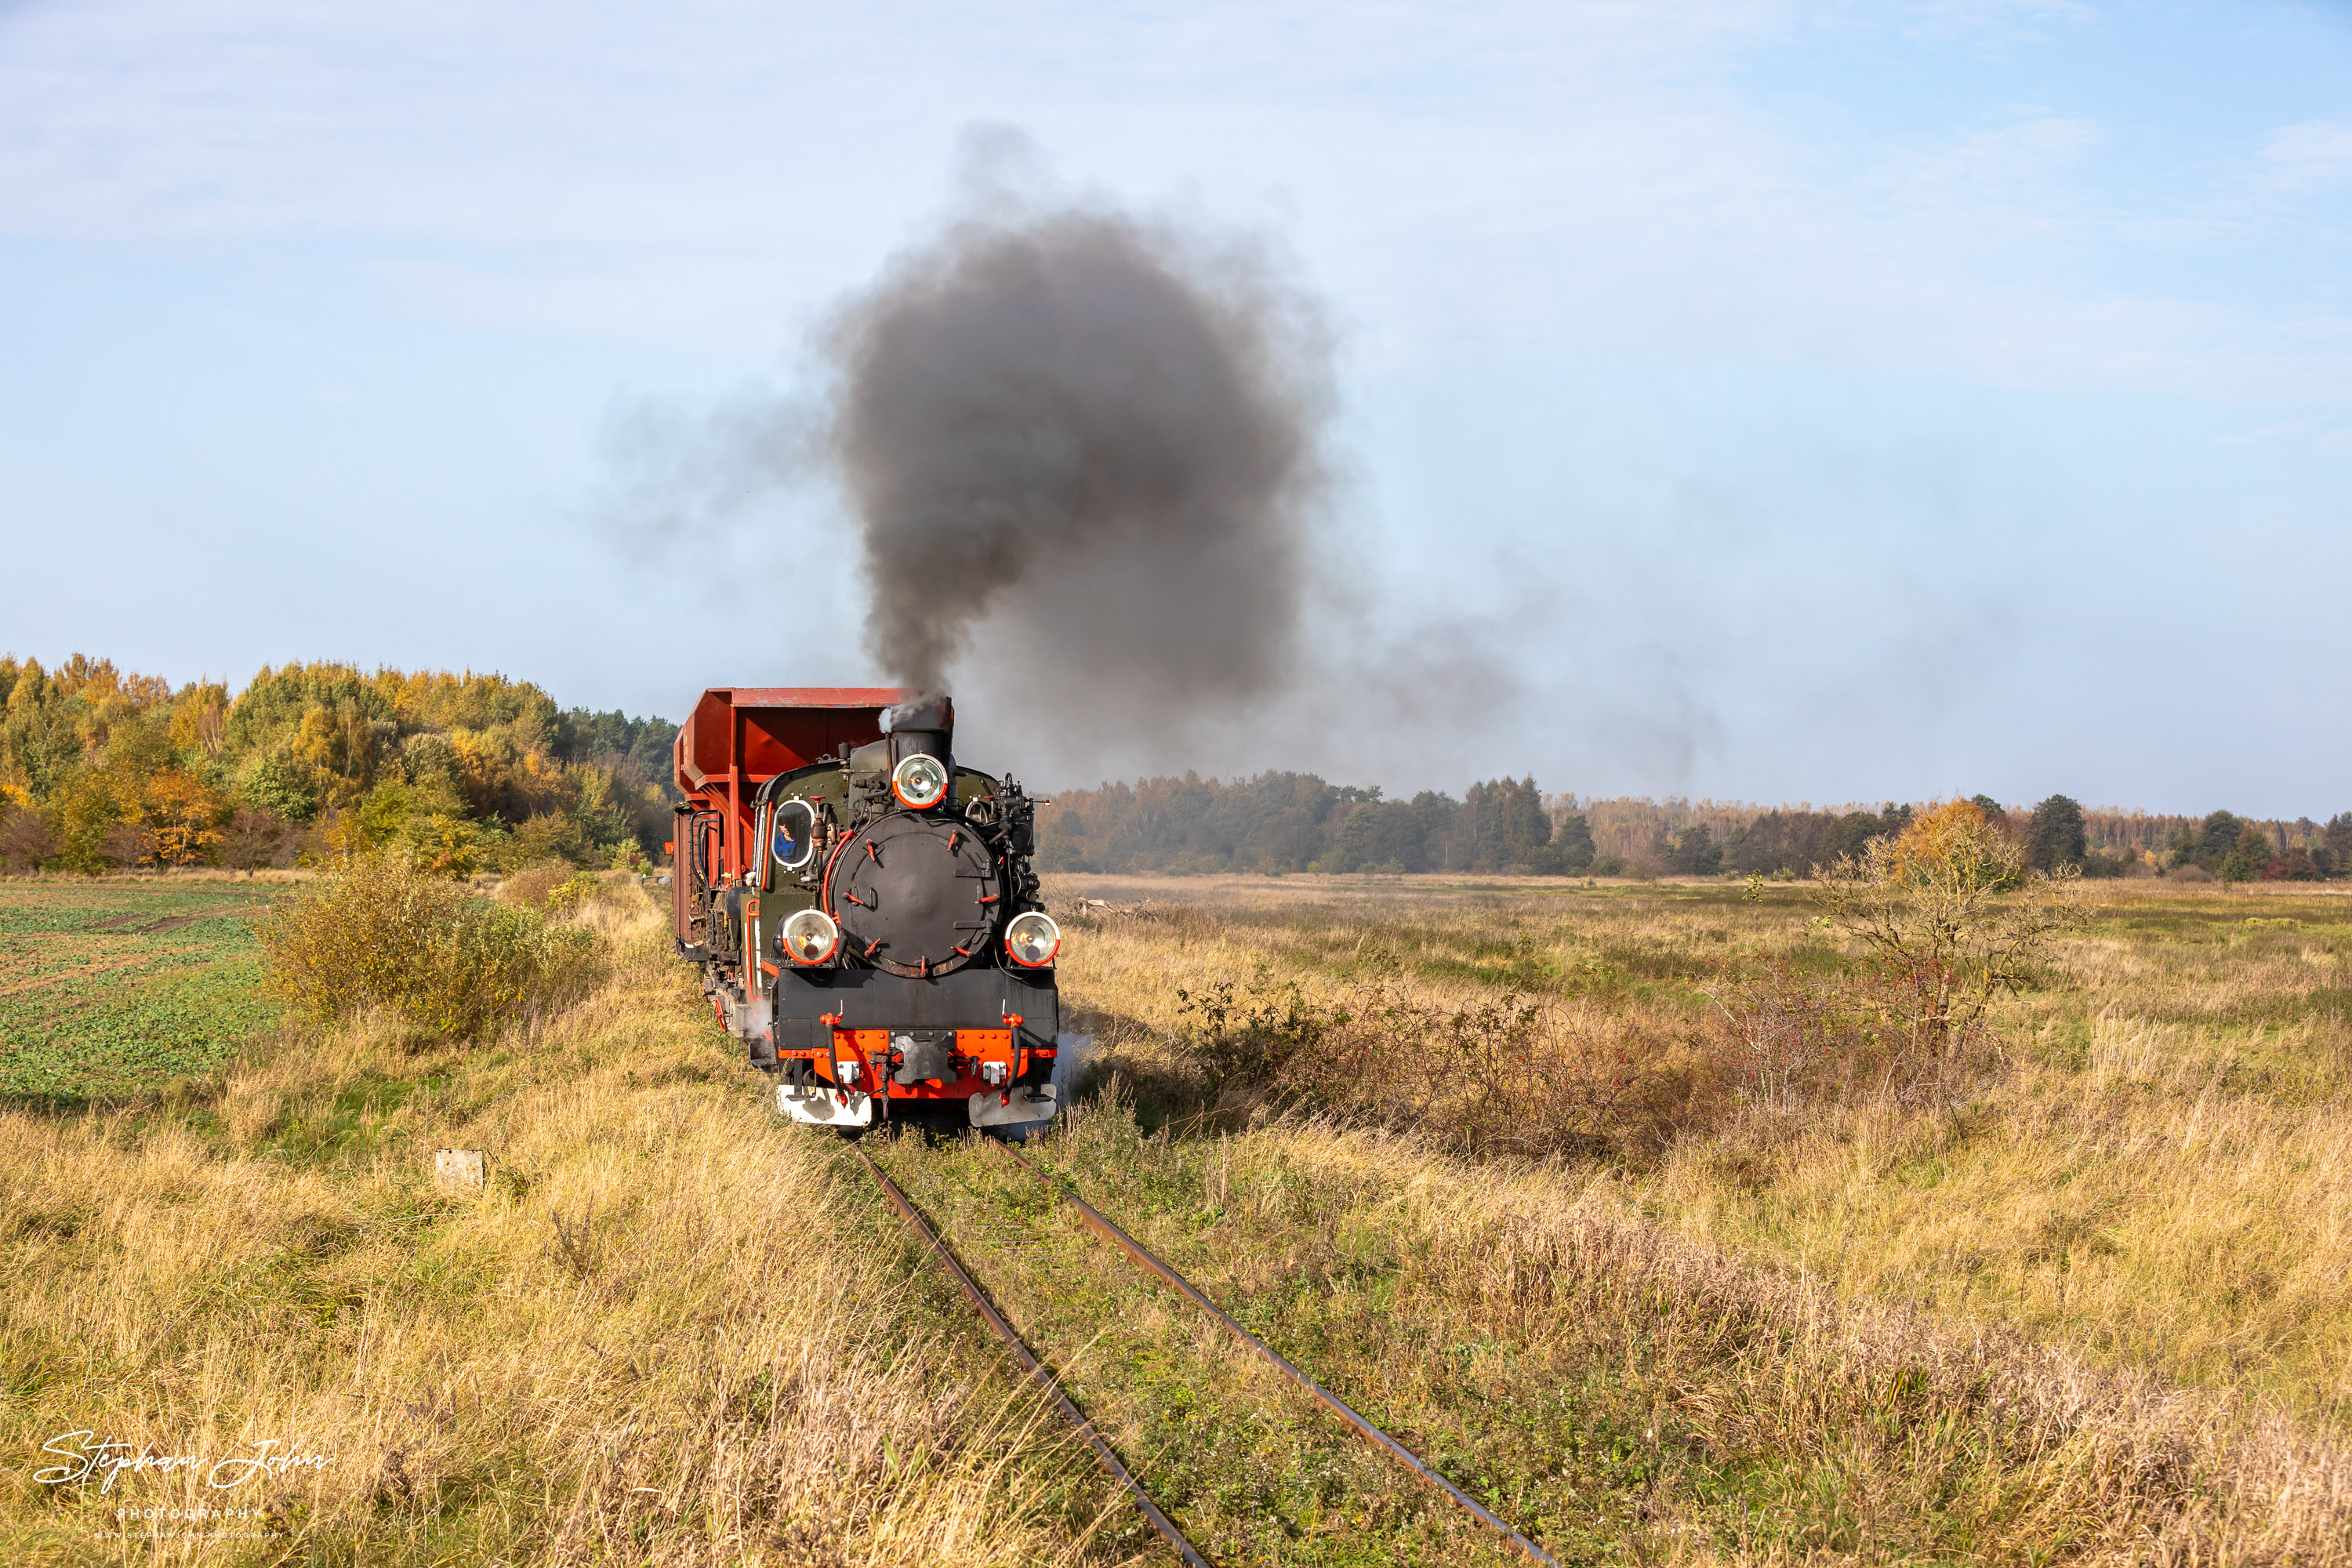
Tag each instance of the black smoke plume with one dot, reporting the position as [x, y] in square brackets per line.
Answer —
[1083, 451]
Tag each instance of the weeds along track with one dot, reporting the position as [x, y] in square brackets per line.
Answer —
[1030, 1365]
[1152, 1265]
[1379, 1440]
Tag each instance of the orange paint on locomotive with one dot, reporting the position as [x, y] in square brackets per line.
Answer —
[872, 1047]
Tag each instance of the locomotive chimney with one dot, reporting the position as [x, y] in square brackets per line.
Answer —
[923, 725]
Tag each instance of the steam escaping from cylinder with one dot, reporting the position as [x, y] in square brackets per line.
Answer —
[1083, 452]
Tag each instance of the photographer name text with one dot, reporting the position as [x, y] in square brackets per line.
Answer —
[86, 1457]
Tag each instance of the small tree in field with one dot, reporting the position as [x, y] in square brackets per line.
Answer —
[1954, 911]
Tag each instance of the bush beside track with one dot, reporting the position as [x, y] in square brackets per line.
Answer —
[382, 933]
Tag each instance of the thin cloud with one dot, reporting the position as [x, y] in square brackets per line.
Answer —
[1995, 22]
[2298, 160]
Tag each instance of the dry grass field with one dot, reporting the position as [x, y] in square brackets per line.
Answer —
[657, 1336]
[2141, 1211]
[2159, 1173]
[2090, 1305]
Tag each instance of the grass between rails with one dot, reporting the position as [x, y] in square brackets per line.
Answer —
[1253, 1470]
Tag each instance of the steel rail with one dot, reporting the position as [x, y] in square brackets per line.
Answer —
[1032, 1367]
[1372, 1433]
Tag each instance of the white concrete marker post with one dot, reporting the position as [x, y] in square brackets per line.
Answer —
[460, 1170]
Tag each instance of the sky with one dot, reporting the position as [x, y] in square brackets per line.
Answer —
[1785, 403]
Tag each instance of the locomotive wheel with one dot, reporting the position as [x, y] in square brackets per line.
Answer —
[915, 895]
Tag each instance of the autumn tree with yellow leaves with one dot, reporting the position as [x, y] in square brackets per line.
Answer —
[1955, 913]
[102, 768]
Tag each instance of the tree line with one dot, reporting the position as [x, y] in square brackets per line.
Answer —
[1283, 822]
[102, 768]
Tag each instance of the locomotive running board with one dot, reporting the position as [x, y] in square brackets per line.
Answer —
[825, 1107]
[1027, 1105]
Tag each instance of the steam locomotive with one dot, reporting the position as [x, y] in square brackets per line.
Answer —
[862, 908]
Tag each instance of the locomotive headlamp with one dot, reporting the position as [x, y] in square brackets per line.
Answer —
[1033, 939]
[810, 936]
[919, 781]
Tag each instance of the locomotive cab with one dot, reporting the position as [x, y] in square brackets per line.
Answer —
[864, 909]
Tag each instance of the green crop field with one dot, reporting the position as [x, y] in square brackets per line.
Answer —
[112, 988]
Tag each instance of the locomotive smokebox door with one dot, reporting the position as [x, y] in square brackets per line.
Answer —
[916, 895]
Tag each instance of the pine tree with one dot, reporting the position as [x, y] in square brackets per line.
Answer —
[2054, 835]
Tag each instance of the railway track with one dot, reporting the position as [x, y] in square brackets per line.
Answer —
[1031, 1366]
[1150, 1264]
